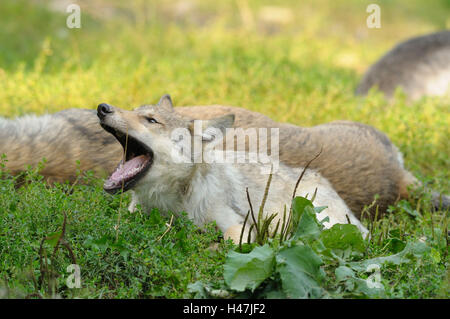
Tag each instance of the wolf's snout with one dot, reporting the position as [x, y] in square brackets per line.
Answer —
[103, 110]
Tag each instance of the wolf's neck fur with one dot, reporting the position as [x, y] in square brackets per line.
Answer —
[195, 193]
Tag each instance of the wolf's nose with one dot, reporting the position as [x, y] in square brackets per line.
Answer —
[104, 109]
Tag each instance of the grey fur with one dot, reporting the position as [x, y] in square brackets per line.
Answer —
[420, 66]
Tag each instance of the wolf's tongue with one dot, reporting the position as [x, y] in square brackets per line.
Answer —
[127, 170]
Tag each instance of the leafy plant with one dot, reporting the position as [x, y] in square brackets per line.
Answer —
[299, 266]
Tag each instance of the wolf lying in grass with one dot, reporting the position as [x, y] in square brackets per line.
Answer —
[207, 190]
[357, 160]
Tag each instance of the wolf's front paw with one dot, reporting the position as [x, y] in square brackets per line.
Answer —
[133, 203]
[132, 207]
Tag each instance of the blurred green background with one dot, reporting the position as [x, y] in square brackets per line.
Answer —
[296, 61]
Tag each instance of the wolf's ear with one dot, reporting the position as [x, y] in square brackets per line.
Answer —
[221, 123]
[211, 128]
[166, 102]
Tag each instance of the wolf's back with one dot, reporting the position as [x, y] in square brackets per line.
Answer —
[62, 139]
[420, 66]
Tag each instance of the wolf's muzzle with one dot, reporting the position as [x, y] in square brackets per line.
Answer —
[103, 110]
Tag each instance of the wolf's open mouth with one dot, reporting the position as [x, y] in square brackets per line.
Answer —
[137, 161]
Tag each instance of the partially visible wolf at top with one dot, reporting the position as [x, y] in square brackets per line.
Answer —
[420, 66]
[358, 160]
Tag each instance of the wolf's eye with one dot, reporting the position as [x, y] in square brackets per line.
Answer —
[151, 120]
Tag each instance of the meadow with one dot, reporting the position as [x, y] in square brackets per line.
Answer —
[295, 61]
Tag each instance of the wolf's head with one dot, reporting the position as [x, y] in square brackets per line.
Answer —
[150, 136]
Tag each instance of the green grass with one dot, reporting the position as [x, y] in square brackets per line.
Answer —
[120, 254]
[303, 71]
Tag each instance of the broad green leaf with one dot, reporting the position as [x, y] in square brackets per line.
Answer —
[297, 209]
[300, 272]
[198, 289]
[343, 272]
[307, 227]
[372, 287]
[248, 271]
[366, 287]
[343, 237]
[411, 250]
[298, 206]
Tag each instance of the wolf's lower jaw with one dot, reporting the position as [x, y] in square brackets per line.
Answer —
[127, 173]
